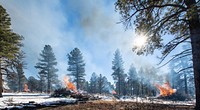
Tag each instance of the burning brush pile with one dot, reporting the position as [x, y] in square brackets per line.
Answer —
[167, 93]
[70, 91]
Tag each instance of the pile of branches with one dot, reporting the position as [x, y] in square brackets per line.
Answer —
[63, 92]
[81, 96]
[175, 97]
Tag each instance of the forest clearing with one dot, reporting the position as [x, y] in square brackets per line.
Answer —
[100, 54]
[122, 105]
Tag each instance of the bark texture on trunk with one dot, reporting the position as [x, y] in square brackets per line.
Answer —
[196, 65]
[194, 26]
[195, 38]
[185, 81]
[1, 81]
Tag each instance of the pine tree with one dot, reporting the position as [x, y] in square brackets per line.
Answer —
[46, 65]
[118, 74]
[179, 18]
[181, 71]
[76, 66]
[42, 80]
[106, 87]
[93, 83]
[101, 84]
[19, 64]
[10, 44]
[33, 84]
[132, 80]
[12, 82]
[87, 86]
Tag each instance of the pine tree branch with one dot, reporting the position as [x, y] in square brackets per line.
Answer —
[182, 54]
[128, 19]
[166, 19]
[171, 48]
[184, 69]
[175, 58]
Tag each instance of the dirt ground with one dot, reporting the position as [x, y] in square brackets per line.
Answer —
[114, 105]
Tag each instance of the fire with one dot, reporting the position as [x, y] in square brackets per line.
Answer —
[165, 89]
[26, 88]
[69, 84]
[114, 92]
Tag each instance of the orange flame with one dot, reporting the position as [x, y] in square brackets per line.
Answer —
[26, 88]
[165, 89]
[69, 84]
[114, 92]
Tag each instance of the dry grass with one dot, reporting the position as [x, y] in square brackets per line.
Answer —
[114, 105]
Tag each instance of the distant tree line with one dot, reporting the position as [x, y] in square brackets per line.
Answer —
[99, 84]
[137, 83]
[181, 73]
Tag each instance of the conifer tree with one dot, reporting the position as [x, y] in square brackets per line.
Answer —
[93, 83]
[76, 66]
[10, 44]
[118, 74]
[180, 18]
[46, 65]
[132, 81]
[101, 83]
[19, 65]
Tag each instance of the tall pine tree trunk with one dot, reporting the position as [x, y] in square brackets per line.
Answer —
[48, 81]
[119, 85]
[194, 26]
[41, 86]
[19, 85]
[77, 77]
[196, 64]
[19, 72]
[185, 81]
[48, 84]
[195, 40]
[1, 80]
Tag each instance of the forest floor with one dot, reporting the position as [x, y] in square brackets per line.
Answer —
[121, 105]
[32, 101]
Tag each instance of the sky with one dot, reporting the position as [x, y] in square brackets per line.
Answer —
[88, 25]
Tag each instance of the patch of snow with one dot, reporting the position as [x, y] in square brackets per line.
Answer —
[146, 100]
[10, 99]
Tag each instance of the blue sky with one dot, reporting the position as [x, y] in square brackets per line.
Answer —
[65, 24]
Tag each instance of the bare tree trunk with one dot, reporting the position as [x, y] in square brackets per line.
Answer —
[77, 77]
[48, 85]
[119, 84]
[194, 26]
[1, 81]
[41, 85]
[48, 82]
[196, 65]
[185, 81]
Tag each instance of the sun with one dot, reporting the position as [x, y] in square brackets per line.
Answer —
[140, 40]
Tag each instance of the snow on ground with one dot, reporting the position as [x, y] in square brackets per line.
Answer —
[155, 100]
[144, 100]
[10, 99]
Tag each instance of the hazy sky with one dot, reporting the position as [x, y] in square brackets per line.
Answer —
[90, 25]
